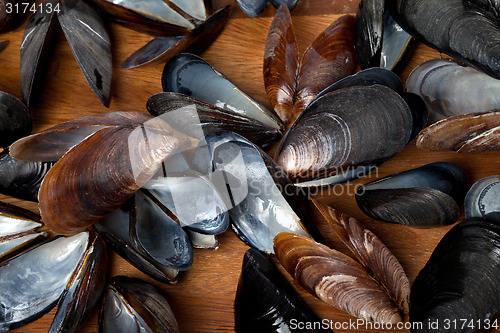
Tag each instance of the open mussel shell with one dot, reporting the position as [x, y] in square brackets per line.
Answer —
[425, 196]
[335, 278]
[148, 238]
[461, 280]
[21, 179]
[451, 89]
[38, 43]
[124, 157]
[15, 120]
[189, 114]
[290, 84]
[482, 200]
[192, 199]
[18, 228]
[133, 305]
[196, 41]
[190, 75]
[349, 127]
[380, 41]
[291, 4]
[160, 237]
[28, 294]
[253, 188]
[84, 291]
[473, 132]
[449, 27]
[153, 17]
[90, 43]
[265, 301]
[371, 253]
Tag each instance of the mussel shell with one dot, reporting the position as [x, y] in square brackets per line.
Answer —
[281, 63]
[128, 157]
[490, 8]
[15, 120]
[371, 252]
[115, 229]
[419, 112]
[196, 41]
[449, 27]
[348, 127]
[157, 235]
[473, 132]
[191, 75]
[367, 77]
[265, 301]
[335, 278]
[252, 8]
[251, 184]
[202, 241]
[21, 179]
[451, 89]
[84, 291]
[195, 9]
[26, 295]
[145, 21]
[461, 279]
[424, 196]
[369, 31]
[482, 200]
[397, 44]
[192, 199]
[133, 305]
[17, 229]
[90, 43]
[39, 38]
[188, 119]
[291, 4]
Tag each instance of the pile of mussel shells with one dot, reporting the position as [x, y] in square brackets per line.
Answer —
[155, 187]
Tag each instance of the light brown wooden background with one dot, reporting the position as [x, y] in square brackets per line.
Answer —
[203, 299]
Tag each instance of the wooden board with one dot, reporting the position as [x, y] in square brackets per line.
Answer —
[203, 299]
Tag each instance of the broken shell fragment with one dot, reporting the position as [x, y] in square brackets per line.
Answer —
[425, 196]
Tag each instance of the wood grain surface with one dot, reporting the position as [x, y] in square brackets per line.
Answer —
[203, 298]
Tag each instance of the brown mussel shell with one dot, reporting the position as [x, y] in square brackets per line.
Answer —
[335, 278]
[291, 85]
[474, 132]
[101, 172]
[371, 253]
